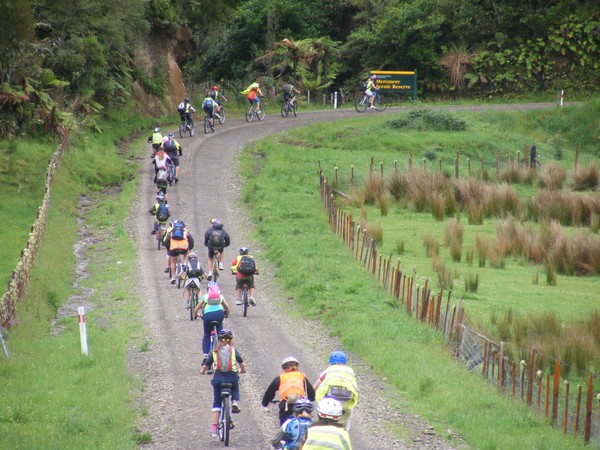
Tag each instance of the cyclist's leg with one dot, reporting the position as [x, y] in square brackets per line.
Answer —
[211, 255]
[175, 160]
[251, 289]
[216, 408]
[188, 118]
[172, 262]
[239, 282]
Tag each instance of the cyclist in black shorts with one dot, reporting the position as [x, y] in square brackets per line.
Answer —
[216, 238]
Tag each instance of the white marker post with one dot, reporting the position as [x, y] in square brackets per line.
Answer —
[335, 100]
[562, 94]
[82, 330]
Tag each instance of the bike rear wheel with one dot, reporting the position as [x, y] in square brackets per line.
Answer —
[225, 425]
[181, 129]
[206, 125]
[158, 237]
[250, 114]
[260, 115]
[215, 268]
[360, 103]
[191, 128]
[193, 303]
[285, 109]
[295, 109]
[245, 302]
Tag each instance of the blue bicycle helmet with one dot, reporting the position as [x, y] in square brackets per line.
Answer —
[337, 357]
[302, 405]
[211, 283]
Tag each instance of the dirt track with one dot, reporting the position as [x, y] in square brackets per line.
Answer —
[177, 398]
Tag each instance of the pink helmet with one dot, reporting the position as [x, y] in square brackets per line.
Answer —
[215, 88]
[214, 291]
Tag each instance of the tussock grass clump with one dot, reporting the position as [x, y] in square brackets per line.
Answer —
[552, 177]
[513, 173]
[472, 282]
[453, 239]
[431, 244]
[568, 208]
[437, 205]
[502, 200]
[375, 231]
[428, 120]
[357, 197]
[469, 256]
[400, 247]
[481, 248]
[374, 188]
[383, 203]
[551, 277]
[444, 274]
[398, 185]
[475, 214]
[585, 178]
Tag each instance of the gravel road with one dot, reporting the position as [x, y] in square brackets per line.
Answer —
[176, 399]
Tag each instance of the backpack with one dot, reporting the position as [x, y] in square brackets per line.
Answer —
[162, 213]
[177, 232]
[194, 268]
[247, 266]
[170, 145]
[216, 238]
[286, 88]
[364, 85]
[162, 175]
[181, 108]
[214, 296]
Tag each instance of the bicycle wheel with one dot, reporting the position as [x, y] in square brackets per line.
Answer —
[225, 425]
[285, 109]
[360, 103]
[181, 129]
[250, 114]
[206, 125]
[193, 303]
[158, 238]
[260, 115]
[295, 109]
[245, 302]
[191, 128]
[380, 104]
[222, 116]
[215, 268]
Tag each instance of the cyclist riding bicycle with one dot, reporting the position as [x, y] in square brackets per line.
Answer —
[289, 93]
[338, 381]
[292, 385]
[253, 94]
[209, 105]
[156, 140]
[370, 91]
[244, 268]
[172, 148]
[213, 308]
[293, 431]
[193, 276]
[216, 239]
[228, 363]
[327, 432]
[217, 97]
[160, 211]
[178, 241]
[185, 110]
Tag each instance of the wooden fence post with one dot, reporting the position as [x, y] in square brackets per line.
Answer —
[555, 392]
[588, 409]
[566, 416]
[351, 176]
[530, 377]
[577, 409]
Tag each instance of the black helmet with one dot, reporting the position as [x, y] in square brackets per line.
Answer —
[187, 99]
[225, 334]
[244, 251]
[302, 405]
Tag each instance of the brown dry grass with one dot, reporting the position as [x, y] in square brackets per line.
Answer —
[552, 177]
[586, 178]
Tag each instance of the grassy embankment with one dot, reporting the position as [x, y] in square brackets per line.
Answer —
[52, 396]
[324, 280]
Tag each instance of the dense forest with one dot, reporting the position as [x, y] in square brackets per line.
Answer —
[62, 60]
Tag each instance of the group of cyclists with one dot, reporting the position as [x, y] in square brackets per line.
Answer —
[334, 392]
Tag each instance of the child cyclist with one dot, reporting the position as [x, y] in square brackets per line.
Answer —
[292, 433]
[161, 213]
[194, 274]
[228, 363]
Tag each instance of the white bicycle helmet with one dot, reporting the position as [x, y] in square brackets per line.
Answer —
[288, 360]
[330, 408]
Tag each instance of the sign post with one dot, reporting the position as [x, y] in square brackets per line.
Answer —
[397, 81]
[82, 329]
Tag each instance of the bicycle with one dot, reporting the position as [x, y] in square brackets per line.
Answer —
[288, 106]
[184, 127]
[220, 115]
[215, 265]
[194, 299]
[252, 112]
[214, 340]
[361, 103]
[225, 423]
[178, 270]
[244, 299]
[208, 128]
[161, 228]
[171, 173]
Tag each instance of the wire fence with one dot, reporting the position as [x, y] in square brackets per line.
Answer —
[575, 410]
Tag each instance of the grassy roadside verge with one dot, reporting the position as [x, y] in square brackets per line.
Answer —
[315, 268]
[53, 397]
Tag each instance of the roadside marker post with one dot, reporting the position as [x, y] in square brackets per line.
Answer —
[3, 341]
[82, 329]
